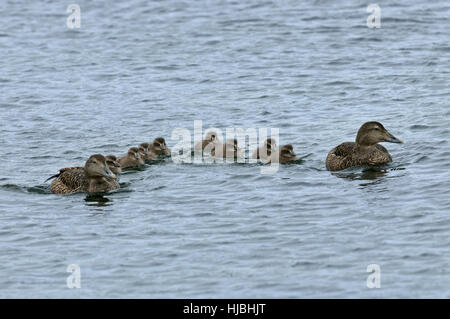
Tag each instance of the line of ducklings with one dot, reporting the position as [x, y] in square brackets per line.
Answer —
[100, 173]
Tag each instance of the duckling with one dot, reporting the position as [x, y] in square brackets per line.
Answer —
[228, 150]
[364, 151]
[283, 155]
[158, 148]
[132, 159]
[144, 151]
[113, 164]
[210, 137]
[94, 177]
[265, 151]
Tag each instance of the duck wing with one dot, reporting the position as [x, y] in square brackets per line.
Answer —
[344, 149]
[62, 170]
[70, 181]
[340, 157]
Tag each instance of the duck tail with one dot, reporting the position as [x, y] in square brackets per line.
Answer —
[52, 177]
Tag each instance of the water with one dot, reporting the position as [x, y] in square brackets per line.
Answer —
[140, 69]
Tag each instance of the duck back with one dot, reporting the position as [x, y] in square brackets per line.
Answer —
[348, 154]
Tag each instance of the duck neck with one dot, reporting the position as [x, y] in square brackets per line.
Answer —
[364, 147]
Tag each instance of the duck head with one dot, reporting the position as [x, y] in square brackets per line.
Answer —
[211, 136]
[113, 164]
[159, 146]
[372, 133]
[133, 154]
[144, 149]
[96, 167]
[287, 152]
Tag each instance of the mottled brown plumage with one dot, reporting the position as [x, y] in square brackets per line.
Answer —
[94, 177]
[364, 151]
[132, 159]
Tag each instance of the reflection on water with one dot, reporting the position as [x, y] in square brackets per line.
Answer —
[374, 174]
[98, 200]
[369, 173]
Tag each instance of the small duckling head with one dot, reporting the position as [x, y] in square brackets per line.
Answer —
[211, 136]
[144, 149]
[113, 164]
[287, 151]
[96, 167]
[160, 146]
[133, 153]
[372, 133]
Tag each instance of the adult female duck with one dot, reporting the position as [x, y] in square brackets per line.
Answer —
[365, 151]
[94, 177]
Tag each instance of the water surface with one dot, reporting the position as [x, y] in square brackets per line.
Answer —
[140, 69]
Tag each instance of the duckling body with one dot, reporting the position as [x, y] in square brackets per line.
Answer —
[228, 150]
[264, 152]
[364, 151]
[94, 177]
[132, 159]
[210, 138]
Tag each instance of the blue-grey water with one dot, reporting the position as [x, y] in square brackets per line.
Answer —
[138, 69]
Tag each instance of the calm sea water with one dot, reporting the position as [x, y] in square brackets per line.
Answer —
[139, 69]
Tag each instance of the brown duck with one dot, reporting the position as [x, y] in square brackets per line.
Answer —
[210, 137]
[364, 151]
[158, 148]
[113, 164]
[144, 151]
[283, 155]
[94, 177]
[228, 150]
[132, 159]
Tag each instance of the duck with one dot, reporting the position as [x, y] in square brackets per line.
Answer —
[113, 164]
[364, 151]
[265, 150]
[94, 177]
[111, 161]
[144, 151]
[132, 159]
[228, 150]
[283, 155]
[210, 137]
[158, 148]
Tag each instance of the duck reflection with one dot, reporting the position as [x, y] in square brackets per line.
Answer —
[367, 174]
[97, 200]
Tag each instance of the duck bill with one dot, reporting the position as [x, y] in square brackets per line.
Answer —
[108, 173]
[392, 139]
